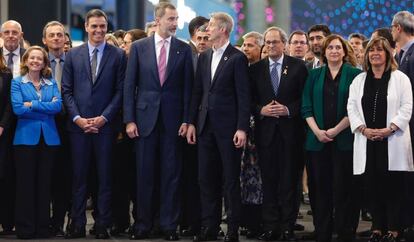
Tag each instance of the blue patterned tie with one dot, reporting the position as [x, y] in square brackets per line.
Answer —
[275, 78]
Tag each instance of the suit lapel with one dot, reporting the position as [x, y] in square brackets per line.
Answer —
[283, 74]
[172, 58]
[86, 61]
[404, 62]
[267, 80]
[152, 54]
[226, 55]
[105, 57]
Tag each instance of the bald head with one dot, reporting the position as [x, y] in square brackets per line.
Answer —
[11, 33]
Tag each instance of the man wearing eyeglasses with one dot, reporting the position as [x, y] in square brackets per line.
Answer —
[298, 44]
[277, 84]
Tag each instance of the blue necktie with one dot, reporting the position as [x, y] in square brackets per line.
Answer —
[275, 78]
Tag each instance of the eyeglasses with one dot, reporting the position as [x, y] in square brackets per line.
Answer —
[298, 43]
[274, 42]
[392, 26]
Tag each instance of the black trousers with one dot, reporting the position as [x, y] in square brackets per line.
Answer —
[279, 164]
[385, 188]
[7, 181]
[124, 185]
[219, 173]
[190, 190]
[61, 179]
[33, 182]
[331, 186]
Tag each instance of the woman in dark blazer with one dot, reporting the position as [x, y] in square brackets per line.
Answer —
[5, 116]
[35, 100]
[329, 141]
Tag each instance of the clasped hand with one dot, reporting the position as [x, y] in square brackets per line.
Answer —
[377, 134]
[274, 109]
[91, 125]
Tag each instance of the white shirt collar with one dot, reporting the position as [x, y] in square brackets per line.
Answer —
[280, 61]
[25, 79]
[158, 38]
[221, 49]
[16, 52]
[100, 47]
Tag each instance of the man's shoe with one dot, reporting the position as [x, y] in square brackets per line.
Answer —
[92, 230]
[252, 234]
[231, 237]
[75, 232]
[188, 232]
[138, 234]
[57, 231]
[117, 230]
[298, 227]
[269, 235]
[101, 233]
[205, 234]
[171, 235]
[389, 237]
[288, 235]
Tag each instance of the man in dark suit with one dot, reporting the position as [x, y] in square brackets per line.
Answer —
[277, 84]
[156, 101]
[402, 30]
[317, 34]
[220, 112]
[193, 26]
[12, 34]
[92, 90]
[54, 41]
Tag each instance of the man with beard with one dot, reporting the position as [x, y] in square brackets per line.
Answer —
[317, 34]
[156, 103]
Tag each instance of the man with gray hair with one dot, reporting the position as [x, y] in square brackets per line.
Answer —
[220, 110]
[277, 84]
[12, 34]
[252, 44]
[402, 30]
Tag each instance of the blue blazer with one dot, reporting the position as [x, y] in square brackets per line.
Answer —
[38, 119]
[145, 98]
[87, 99]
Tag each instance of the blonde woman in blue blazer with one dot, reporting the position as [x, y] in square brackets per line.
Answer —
[35, 100]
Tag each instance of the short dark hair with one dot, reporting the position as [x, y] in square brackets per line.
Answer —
[320, 27]
[120, 33]
[386, 33]
[196, 23]
[52, 23]
[95, 13]
[298, 32]
[136, 34]
[357, 35]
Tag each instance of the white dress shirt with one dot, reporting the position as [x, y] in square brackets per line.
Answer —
[215, 59]
[158, 44]
[16, 60]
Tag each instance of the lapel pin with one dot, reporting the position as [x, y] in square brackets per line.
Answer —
[285, 71]
[225, 58]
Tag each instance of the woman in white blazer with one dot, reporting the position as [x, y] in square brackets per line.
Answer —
[379, 109]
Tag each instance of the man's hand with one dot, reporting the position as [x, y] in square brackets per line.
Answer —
[97, 122]
[85, 125]
[183, 130]
[191, 135]
[268, 110]
[1, 131]
[280, 109]
[239, 138]
[27, 104]
[132, 130]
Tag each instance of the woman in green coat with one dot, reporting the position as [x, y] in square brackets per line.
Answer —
[329, 141]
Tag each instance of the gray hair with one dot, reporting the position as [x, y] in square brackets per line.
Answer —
[406, 20]
[19, 26]
[282, 33]
[224, 21]
[258, 37]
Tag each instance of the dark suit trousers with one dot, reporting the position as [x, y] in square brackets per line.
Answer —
[161, 152]
[219, 163]
[33, 182]
[279, 164]
[331, 186]
[7, 182]
[409, 188]
[190, 189]
[124, 185]
[84, 147]
[61, 179]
